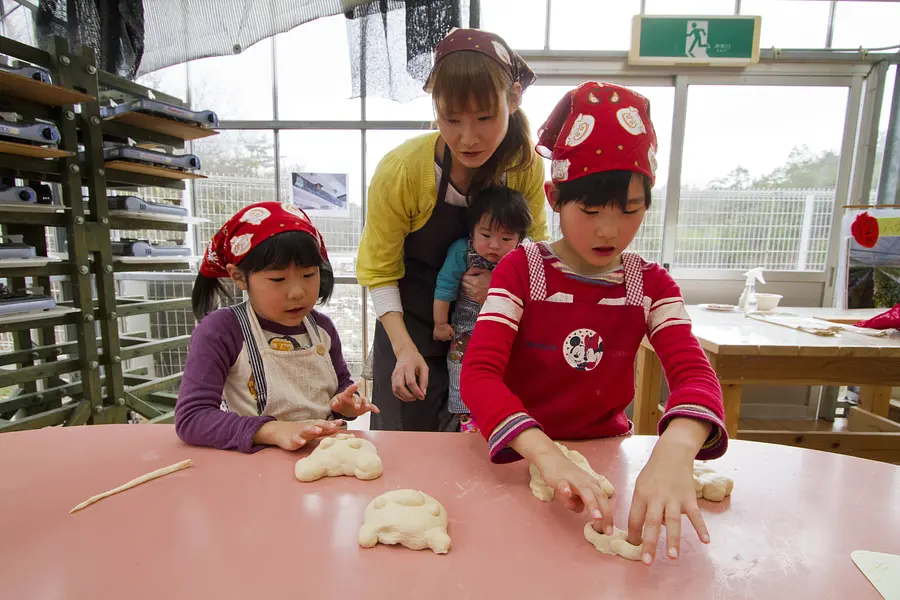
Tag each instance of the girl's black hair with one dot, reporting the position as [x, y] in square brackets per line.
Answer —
[296, 248]
[598, 190]
[506, 207]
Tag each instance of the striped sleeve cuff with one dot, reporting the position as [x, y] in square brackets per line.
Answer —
[506, 431]
[715, 444]
[386, 299]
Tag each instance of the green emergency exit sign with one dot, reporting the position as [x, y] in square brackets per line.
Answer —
[714, 40]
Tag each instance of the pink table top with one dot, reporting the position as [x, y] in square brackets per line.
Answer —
[241, 526]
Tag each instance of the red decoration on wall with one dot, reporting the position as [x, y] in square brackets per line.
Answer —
[865, 230]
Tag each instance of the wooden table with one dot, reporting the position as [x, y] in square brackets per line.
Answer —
[241, 526]
[747, 351]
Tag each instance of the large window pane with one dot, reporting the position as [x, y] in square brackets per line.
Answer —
[522, 25]
[18, 22]
[345, 309]
[689, 7]
[237, 86]
[867, 24]
[883, 120]
[539, 101]
[170, 80]
[759, 174]
[240, 165]
[382, 109]
[790, 23]
[313, 71]
[583, 25]
[328, 153]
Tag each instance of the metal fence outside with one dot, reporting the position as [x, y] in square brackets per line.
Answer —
[779, 229]
[717, 229]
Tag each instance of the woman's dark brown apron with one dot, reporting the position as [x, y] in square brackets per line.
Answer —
[424, 253]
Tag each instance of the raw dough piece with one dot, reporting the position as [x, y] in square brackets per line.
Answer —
[710, 485]
[343, 454]
[407, 517]
[135, 482]
[545, 493]
[612, 544]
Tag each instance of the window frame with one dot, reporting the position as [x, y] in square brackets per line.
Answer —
[570, 68]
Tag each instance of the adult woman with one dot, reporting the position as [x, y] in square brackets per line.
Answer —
[417, 209]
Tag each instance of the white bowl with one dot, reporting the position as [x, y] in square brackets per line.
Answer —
[766, 302]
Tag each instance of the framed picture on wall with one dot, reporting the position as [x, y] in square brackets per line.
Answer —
[320, 193]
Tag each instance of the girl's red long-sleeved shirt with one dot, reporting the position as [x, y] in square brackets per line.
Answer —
[556, 350]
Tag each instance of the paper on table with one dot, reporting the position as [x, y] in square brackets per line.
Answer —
[882, 570]
[813, 326]
[878, 333]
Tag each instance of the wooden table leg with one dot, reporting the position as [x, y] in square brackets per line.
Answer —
[875, 399]
[731, 395]
[647, 392]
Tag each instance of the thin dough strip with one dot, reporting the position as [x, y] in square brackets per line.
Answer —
[135, 482]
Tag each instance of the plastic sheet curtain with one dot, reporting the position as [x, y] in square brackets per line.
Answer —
[113, 28]
[390, 41]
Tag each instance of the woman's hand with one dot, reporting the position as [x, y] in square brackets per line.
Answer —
[409, 381]
[665, 489]
[476, 283]
[292, 435]
[351, 404]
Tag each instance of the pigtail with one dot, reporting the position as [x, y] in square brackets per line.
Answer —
[326, 282]
[205, 295]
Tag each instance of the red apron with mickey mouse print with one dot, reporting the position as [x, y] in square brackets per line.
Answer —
[572, 363]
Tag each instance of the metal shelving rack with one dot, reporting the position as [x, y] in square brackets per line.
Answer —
[102, 392]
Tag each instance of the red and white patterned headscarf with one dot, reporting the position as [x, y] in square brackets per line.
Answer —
[599, 127]
[251, 226]
[489, 44]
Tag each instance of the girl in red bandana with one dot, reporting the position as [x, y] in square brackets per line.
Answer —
[417, 206]
[553, 351]
[268, 371]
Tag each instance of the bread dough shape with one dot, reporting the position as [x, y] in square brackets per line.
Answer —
[545, 493]
[710, 485]
[406, 517]
[343, 454]
[612, 544]
[135, 482]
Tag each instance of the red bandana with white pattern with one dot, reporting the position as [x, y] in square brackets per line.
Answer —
[599, 127]
[489, 44]
[250, 227]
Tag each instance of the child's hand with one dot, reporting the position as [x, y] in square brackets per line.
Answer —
[292, 435]
[665, 489]
[351, 404]
[443, 332]
[579, 489]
